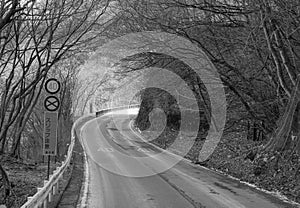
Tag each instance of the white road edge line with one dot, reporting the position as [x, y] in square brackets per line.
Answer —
[85, 183]
[275, 194]
[83, 202]
[84, 195]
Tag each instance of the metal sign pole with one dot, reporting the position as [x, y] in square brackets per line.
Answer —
[48, 172]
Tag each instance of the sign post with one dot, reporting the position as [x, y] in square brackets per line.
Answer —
[51, 104]
[50, 133]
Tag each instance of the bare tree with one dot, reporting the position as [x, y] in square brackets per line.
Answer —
[34, 37]
[254, 46]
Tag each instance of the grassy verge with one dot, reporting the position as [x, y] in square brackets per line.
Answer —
[24, 179]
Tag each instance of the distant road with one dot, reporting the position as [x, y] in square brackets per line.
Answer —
[113, 154]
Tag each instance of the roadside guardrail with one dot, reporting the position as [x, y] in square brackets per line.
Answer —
[101, 112]
[45, 194]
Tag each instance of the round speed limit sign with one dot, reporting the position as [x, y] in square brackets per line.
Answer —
[52, 86]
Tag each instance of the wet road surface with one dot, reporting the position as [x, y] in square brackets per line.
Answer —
[125, 172]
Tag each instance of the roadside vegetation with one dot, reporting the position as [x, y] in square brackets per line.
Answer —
[39, 40]
[254, 46]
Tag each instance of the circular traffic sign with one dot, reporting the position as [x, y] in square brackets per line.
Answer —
[51, 103]
[52, 85]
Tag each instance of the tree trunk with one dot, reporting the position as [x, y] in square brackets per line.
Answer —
[25, 114]
[3, 140]
[288, 124]
[6, 183]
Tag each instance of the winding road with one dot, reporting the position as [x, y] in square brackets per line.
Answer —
[127, 172]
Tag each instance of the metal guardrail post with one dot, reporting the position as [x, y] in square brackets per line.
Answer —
[58, 185]
[45, 203]
[54, 190]
[50, 196]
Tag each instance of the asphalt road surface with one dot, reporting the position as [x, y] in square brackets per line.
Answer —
[125, 173]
